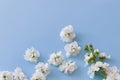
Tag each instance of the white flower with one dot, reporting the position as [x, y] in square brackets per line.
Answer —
[87, 58]
[43, 68]
[72, 49]
[68, 67]
[101, 64]
[6, 75]
[67, 34]
[96, 52]
[103, 55]
[19, 75]
[38, 76]
[56, 58]
[91, 70]
[113, 73]
[96, 67]
[31, 55]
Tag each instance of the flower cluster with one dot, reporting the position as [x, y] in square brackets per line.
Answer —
[42, 70]
[109, 73]
[16, 75]
[112, 73]
[68, 67]
[56, 58]
[67, 34]
[38, 76]
[31, 55]
[72, 49]
[19, 75]
[93, 55]
[6, 75]
[64, 66]
[98, 66]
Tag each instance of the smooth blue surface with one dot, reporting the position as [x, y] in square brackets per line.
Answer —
[37, 23]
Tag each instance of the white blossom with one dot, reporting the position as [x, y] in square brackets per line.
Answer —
[43, 68]
[113, 73]
[38, 76]
[72, 49]
[19, 75]
[96, 67]
[31, 55]
[101, 64]
[91, 70]
[67, 34]
[56, 58]
[103, 55]
[68, 67]
[87, 58]
[6, 75]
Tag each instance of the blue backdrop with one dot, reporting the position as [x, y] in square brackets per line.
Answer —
[37, 23]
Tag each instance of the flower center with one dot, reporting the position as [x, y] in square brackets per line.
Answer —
[5, 77]
[68, 34]
[73, 49]
[38, 79]
[42, 71]
[57, 58]
[33, 55]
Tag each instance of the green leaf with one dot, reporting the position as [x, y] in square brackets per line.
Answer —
[103, 73]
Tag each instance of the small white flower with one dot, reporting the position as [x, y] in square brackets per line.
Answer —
[38, 76]
[56, 58]
[43, 68]
[87, 58]
[68, 67]
[67, 34]
[31, 55]
[72, 49]
[113, 73]
[101, 64]
[96, 50]
[103, 55]
[96, 67]
[6, 75]
[19, 75]
[91, 70]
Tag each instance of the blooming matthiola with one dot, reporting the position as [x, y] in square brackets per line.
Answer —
[31, 55]
[112, 73]
[88, 57]
[67, 34]
[43, 68]
[72, 49]
[68, 67]
[91, 55]
[103, 56]
[94, 55]
[6, 75]
[19, 75]
[38, 76]
[95, 59]
[56, 58]
[98, 66]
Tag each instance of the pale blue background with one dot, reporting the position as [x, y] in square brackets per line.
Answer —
[37, 23]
